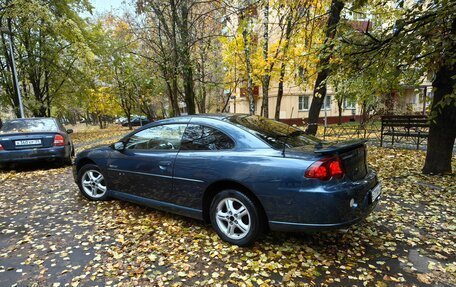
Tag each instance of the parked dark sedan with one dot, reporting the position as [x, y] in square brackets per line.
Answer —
[242, 173]
[32, 139]
[136, 122]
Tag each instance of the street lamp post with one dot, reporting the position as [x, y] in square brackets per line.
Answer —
[13, 67]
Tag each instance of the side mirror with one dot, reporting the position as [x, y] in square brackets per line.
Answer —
[69, 131]
[119, 146]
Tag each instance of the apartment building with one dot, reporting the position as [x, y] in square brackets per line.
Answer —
[296, 103]
[296, 100]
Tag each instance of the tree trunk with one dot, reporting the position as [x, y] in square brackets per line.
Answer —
[146, 109]
[172, 100]
[187, 61]
[280, 92]
[266, 76]
[245, 36]
[164, 111]
[227, 102]
[48, 95]
[129, 121]
[339, 109]
[41, 111]
[100, 122]
[364, 113]
[442, 132]
[201, 102]
[323, 67]
[283, 69]
[202, 108]
[174, 93]
[175, 60]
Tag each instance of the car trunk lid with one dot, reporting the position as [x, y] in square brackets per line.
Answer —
[18, 141]
[352, 153]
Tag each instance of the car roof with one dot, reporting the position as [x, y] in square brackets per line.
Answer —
[34, 119]
[218, 116]
[37, 118]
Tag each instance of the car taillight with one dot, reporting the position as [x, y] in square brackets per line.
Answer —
[1, 147]
[59, 140]
[326, 168]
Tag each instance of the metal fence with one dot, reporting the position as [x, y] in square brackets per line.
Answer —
[370, 131]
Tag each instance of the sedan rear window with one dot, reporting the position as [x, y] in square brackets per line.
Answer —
[275, 133]
[29, 125]
[197, 137]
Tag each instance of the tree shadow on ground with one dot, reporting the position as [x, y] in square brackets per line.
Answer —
[31, 166]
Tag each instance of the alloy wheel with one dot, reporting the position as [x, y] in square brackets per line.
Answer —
[93, 184]
[233, 218]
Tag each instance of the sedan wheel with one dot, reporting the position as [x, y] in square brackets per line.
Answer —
[236, 218]
[232, 218]
[92, 183]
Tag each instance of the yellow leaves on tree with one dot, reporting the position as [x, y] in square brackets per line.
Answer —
[103, 103]
[297, 45]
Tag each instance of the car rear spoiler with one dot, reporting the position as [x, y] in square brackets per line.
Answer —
[340, 147]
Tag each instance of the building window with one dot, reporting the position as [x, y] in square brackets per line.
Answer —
[244, 91]
[327, 103]
[303, 103]
[349, 104]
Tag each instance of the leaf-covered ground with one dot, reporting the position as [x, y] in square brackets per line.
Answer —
[86, 135]
[51, 236]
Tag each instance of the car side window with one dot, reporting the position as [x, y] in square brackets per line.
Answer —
[164, 137]
[198, 137]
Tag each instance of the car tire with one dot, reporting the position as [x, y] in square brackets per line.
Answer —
[91, 185]
[236, 218]
[67, 161]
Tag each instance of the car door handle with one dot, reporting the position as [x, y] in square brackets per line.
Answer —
[164, 164]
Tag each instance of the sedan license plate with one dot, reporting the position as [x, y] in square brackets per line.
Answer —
[27, 142]
[375, 193]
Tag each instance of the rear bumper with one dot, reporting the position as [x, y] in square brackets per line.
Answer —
[297, 227]
[337, 204]
[36, 154]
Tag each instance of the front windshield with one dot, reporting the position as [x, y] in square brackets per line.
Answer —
[275, 133]
[29, 125]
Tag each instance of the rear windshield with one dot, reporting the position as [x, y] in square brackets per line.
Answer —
[275, 133]
[29, 125]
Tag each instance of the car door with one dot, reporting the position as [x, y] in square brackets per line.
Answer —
[145, 167]
[203, 157]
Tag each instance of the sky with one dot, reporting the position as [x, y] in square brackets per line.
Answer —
[102, 6]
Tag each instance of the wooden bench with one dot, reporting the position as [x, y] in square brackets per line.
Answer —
[415, 127]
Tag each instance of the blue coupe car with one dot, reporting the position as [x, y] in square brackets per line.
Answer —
[245, 174]
[35, 139]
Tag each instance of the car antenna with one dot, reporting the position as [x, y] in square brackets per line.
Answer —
[286, 136]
